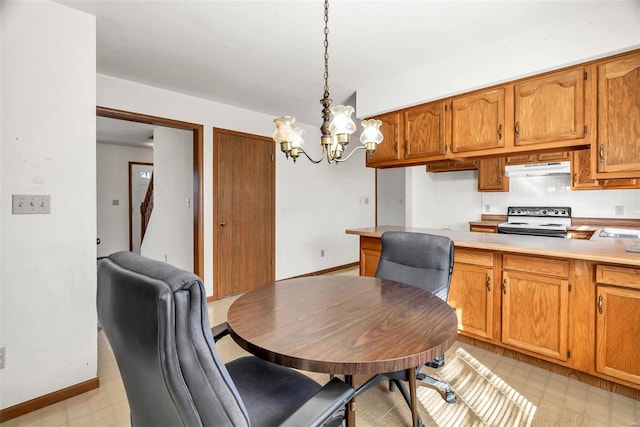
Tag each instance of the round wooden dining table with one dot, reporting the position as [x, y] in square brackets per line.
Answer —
[348, 325]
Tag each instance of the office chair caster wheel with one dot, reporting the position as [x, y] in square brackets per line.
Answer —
[450, 396]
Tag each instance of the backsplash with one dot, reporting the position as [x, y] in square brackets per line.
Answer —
[556, 191]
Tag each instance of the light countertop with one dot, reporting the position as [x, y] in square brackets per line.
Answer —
[609, 250]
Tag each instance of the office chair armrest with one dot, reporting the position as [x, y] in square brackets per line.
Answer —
[322, 405]
[220, 331]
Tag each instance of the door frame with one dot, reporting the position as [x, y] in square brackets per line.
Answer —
[198, 170]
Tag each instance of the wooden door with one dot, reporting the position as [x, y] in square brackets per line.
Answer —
[471, 295]
[478, 121]
[424, 131]
[491, 175]
[617, 152]
[618, 336]
[393, 132]
[550, 108]
[535, 313]
[244, 212]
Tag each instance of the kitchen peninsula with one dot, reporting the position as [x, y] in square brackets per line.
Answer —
[569, 305]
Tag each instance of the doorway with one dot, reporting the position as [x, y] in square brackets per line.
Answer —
[244, 212]
[197, 131]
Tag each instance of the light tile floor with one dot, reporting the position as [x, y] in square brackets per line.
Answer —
[492, 390]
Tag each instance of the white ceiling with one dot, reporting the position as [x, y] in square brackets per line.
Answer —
[267, 55]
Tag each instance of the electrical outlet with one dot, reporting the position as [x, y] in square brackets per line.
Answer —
[3, 355]
[30, 204]
[321, 253]
[487, 207]
[619, 210]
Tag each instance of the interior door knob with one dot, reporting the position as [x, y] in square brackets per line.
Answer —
[98, 241]
[223, 223]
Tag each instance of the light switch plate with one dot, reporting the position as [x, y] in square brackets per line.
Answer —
[30, 204]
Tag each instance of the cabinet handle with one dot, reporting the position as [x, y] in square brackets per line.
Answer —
[488, 283]
[601, 153]
[600, 304]
[517, 129]
[500, 131]
[504, 286]
[575, 178]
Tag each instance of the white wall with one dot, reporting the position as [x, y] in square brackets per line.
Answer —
[593, 30]
[113, 184]
[391, 196]
[442, 200]
[48, 275]
[169, 235]
[314, 204]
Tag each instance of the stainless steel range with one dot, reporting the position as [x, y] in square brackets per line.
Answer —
[537, 221]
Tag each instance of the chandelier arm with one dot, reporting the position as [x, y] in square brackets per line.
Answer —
[344, 159]
[310, 159]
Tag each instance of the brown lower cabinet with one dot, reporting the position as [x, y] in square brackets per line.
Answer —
[570, 313]
[617, 334]
[472, 292]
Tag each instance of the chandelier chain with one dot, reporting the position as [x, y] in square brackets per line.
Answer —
[326, 48]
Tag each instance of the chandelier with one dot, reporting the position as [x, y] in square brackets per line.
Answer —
[337, 125]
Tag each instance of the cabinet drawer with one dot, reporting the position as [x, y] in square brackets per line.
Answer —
[474, 257]
[621, 276]
[540, 265]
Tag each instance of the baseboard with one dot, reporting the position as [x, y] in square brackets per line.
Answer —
[315, 273]
[48, 399]
[328, 270]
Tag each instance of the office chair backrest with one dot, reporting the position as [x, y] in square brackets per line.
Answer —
[421, 260]
[155, 318]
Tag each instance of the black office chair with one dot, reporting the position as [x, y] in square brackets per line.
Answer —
[155, 318]
[424, 261]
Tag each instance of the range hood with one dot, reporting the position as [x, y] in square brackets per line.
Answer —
[537, 169]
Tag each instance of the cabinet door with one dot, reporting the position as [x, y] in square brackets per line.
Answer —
[424, 131]
[370, 248]
[392, 130]
[471, 294]
[535, 313]
[618, 333]
[618, 148]
[581, 178]
[491, 175]
[550, 108]
[478, 121]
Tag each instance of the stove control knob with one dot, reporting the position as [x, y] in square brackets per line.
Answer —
[544, 212]
[556, 212]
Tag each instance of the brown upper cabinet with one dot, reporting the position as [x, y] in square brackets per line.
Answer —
[416, 133]
[616, 153]
[491, 175]
[583, 179]
[393, 132]
[550, 108]
[551, 112]
[478, 121]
